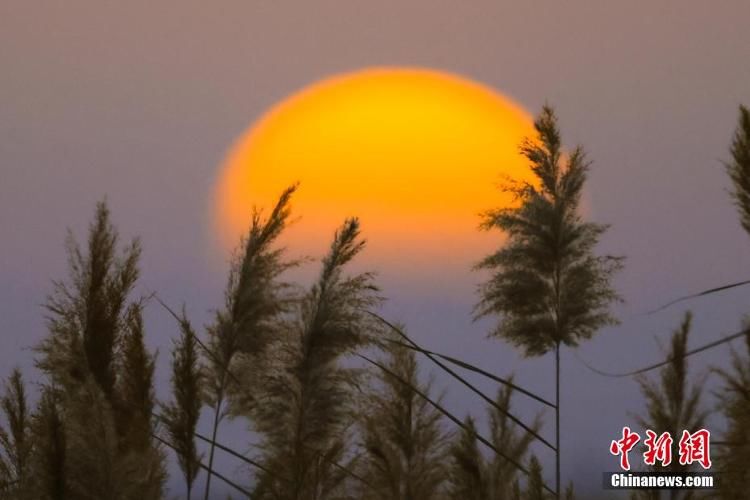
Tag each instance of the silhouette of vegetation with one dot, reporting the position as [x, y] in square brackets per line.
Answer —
[404, 443]
[734, 403]
[547, 285]
[182, 414]
[436, 358]
[306, 390]
[49, 457]
[288, 359]
[254, 300]
[468, 477]
[673, 404]
[734, 394]
[135, 407]
[96, 412]
[739, 167]
[476, 478]
[87, 313]
[16, 441]
[534, 489]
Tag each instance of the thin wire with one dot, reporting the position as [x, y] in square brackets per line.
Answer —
[494, 404]
[184, 323]
[454, 419]
[458, 362]
[229, 372]
[699, 294]
[207, 469]
[697, 350]
[265, 469]
[225, 448]
[475, 369]
[466, 366]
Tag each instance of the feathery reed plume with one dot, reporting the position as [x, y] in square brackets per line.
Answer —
[16, 440]
[307, 407]
[739, 167]
[254, 299]
[473, 476]
[49, 458]
[672, 405]
[405, 447]
[182, 414]
[547, 285]
[734, 404]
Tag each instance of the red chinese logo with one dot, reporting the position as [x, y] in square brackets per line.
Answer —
[693, 448]
[623, 446]
[658, 448]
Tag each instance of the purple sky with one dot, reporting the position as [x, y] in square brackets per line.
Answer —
[139, 102]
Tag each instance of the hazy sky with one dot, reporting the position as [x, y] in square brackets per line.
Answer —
[138, 101]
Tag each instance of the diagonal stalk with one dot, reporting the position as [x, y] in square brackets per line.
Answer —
[557, 419]
[217, 417]
[455, 420]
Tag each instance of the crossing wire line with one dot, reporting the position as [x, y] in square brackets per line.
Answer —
[455, 420]
[699, 294]
[469, 367]
[492, 403]
[206, 468]
[182, 321]
[668, 360]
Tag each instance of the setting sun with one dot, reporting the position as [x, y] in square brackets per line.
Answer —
[416, 154]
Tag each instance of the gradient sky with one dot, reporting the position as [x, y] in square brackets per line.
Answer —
[139, 101]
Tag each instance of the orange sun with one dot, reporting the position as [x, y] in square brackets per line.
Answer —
[416, 154]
